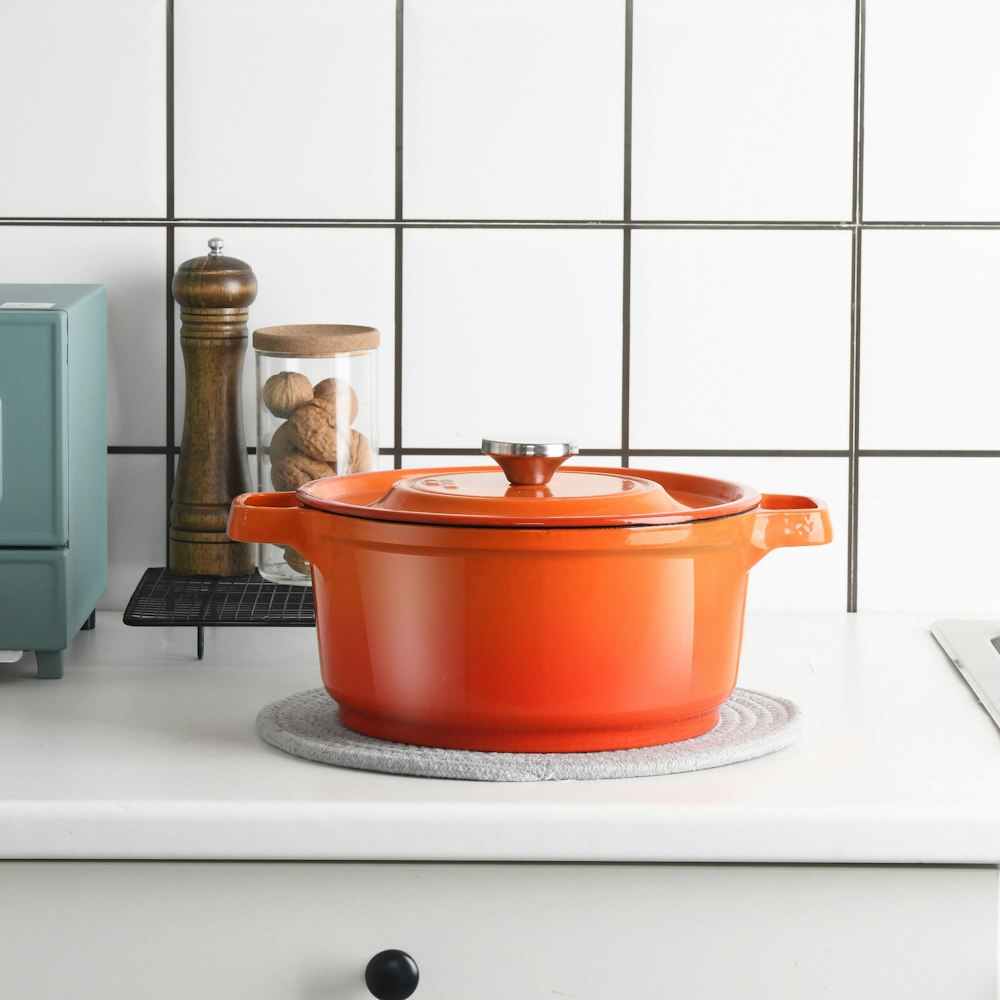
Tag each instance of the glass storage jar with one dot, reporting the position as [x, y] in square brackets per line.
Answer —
[317, 416]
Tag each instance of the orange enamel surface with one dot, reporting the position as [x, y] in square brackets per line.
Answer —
[523, 639]
[575, 497]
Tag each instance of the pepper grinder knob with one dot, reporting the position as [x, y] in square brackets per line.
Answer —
[214, 293]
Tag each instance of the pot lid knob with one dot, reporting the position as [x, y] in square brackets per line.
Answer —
[529, 462]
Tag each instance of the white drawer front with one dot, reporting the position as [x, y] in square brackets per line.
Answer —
[305, 931]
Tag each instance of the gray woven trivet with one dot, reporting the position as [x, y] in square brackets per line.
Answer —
[308, 725]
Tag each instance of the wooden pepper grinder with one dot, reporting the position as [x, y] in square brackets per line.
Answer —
[214, 293]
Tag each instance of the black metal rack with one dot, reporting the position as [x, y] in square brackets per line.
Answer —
[162, 598]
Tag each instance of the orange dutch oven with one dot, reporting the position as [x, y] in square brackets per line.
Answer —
[525, 608]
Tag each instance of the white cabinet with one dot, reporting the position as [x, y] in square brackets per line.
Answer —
[306, 930]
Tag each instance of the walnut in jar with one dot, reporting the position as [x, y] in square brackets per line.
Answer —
[294, 468]
[362, 456]
[339, 392]
[285, 392]
[295, 560]
[283, 441]
[315, 430]
[290, 467]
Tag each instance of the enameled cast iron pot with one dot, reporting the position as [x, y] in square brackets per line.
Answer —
[529, 609]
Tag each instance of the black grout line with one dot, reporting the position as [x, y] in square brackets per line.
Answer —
[397, 306]
[954, 224]
[397, 351]
[171, 443]
[659, 452]
[169, 107]
[858, 179]
[627, 162]
[854, 399]
[928, 453]
[154, 449]
[626, 355]
[401, 223]
[626, 342]
[854, 453]
[740, 452]
[398, 116]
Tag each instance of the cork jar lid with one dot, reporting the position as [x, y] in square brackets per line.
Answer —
[315, 340]
[214, 281]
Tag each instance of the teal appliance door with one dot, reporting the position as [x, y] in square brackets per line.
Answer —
[33, 428]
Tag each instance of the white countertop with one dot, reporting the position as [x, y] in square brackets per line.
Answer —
[142, 751]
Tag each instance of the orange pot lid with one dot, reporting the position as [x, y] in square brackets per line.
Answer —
[527, 491]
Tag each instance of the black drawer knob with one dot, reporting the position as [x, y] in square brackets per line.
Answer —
[392, 975]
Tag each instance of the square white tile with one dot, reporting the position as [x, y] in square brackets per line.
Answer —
[306, 275]
[742, 110]
[918, 548]
[131, 262]
[511, 331]
[137, 523]
[740, 339]
[931, 78]
[84, 109]
[284, 110]
[929, 345]
[514, 110]
[794, 579]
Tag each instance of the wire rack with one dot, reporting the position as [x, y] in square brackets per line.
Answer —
[162, 598]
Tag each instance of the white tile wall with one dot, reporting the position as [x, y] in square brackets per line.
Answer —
[82, 114]
[740, 339]
[726, 328]
[923, 541]
[506, 330]
[931, 76]
[742, 110]
[137, 513]
[514, 110]
[284, 110]
[930, 354]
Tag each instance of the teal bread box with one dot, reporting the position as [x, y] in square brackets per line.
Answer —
[53, 466]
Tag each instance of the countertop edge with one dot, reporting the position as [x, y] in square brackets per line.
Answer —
[192, 831]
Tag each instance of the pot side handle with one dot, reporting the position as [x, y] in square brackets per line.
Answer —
[783, 520]
[276, 518]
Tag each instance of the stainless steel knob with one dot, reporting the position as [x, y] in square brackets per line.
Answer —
[529, 462]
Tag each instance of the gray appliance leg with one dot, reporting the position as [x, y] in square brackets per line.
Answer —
[50, 663]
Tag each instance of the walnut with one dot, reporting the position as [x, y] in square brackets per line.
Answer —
[296, 561]
[316, 431]
[283, 442]
[285, 392]
[290, 467]
[338, 391]
[362, 456]
[294, 468]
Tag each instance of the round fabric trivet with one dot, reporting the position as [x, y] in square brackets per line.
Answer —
[308, 725]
